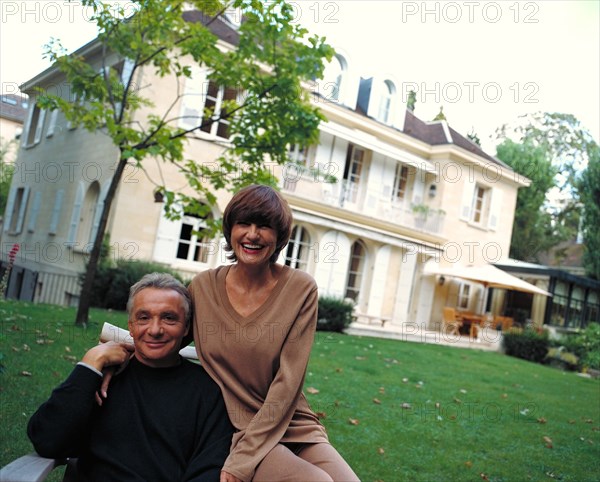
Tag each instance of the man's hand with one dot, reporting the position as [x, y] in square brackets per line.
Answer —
[107, 354]
[227, 477]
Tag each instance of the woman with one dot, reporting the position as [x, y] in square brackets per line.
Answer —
[254, 325]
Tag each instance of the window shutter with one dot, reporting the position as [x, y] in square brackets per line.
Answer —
[58, 199]
[25, 134]
[98, 211]
[418, 187]
[35, 209]
[22, 210]
[76, 212]
[192, 102]
[128, 66]
[467, 201]
[52, 123]
[40, 126]
[167, 239]
[10, 205]
[495, 209]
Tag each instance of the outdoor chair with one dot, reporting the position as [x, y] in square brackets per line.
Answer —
[452, 321]
[34, 468]
[506, 322]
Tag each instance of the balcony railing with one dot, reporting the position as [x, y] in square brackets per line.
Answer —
[352, 197]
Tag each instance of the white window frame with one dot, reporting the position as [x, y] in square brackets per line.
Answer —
[352, 291]
[386, 100]
[480, 205]
[202, 243]
[35, 125]
[334, 78]
[16, 206]
[296, 252]
[400, 188]
[464, 292]
[213, 129]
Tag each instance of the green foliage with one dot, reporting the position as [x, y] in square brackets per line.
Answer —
[527, 344]
[535, 229]
[589, 191]
[112, 283]
[335, 314]
[114, 278]
[6, 172]
[585, 345]
[558, 140]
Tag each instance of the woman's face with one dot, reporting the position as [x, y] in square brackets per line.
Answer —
[253, 243]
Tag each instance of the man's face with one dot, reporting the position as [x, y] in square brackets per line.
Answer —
[157, 325]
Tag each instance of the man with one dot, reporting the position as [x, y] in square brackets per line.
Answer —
[164, 420]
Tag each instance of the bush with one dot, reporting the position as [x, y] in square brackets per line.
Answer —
[527, 344]
[112, 283]
[585, 345]
[335, 314]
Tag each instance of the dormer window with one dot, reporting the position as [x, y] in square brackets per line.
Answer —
[388, 91]
[334, 78]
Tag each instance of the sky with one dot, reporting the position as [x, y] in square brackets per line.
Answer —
[485, 62]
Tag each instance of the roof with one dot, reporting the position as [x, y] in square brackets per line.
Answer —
[433, 133]
[516, 266]
[220, 27]
[14, 107]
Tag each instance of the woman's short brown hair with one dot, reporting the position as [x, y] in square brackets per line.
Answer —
[261, 205]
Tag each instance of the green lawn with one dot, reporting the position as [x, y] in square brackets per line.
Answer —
[396, 410]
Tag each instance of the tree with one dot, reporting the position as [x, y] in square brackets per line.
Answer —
[273, 58]
[6, 172]
[589, 189]
[568, 147]
[533, 230]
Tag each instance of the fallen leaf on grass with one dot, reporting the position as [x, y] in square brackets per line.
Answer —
[381, 389]
[483, 476]
[15, 349]
[542, 420]
[26, 347]
[68, 349]
[339, 370]
[380, 451]
[571, 421]
[406, 406]
[548, 441]
[312, 390]
[360, 357]
[405, 380]
[321, 414]
[26, 373]
[377, 401]
[457, 400]
[353, 421]
[468, 464]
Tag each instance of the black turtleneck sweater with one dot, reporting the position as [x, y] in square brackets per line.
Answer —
[157, 424]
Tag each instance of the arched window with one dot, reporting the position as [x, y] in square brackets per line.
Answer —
[296, 253]
[385, 101]
[334, 78]
[355, 270]
[87, 214]
[194, 244]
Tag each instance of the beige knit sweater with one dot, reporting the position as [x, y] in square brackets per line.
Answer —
[259, 361]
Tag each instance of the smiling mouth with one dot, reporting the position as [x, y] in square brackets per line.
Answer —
[252, 247]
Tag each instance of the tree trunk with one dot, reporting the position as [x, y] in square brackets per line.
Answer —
[83, 307]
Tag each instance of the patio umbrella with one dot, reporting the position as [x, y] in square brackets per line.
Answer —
[488, 275]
